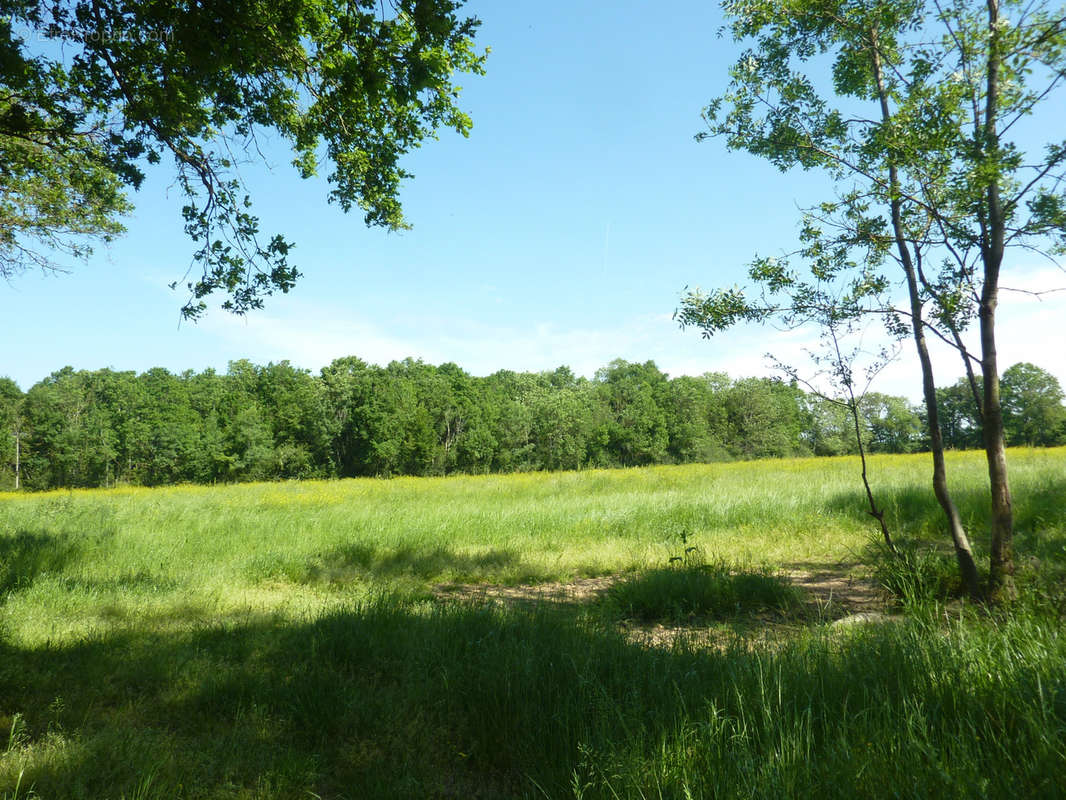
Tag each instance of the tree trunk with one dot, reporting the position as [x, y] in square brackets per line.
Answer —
[1001, 566]
[1001, 560]
[963, 551]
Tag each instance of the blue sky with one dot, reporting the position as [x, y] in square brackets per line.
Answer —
[562, 231]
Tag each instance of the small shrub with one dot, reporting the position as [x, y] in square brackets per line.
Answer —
[692, 588]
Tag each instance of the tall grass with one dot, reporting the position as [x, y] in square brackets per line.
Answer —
[389, 700]
[281, 641]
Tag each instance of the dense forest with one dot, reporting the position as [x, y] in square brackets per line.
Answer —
[101, 428]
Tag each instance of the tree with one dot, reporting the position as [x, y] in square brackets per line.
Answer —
[894, 426]
[157, 427]
[1033, 411]
[93, 90]
[301, 425]
[830, 429]
[509, 401]
[765, 419]
[72, 440]
[209, 462]
[12, 433]
[696, 418]
[559, 430]
[960, 416]
[927, 93]
[246, 436]
[347, 383]
[635, 429]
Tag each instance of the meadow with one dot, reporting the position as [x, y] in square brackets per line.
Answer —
[297, 640]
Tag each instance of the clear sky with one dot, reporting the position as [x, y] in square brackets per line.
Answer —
[562, 231]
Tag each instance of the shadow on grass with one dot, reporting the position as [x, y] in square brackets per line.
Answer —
[425, 563]
[360, 561]
[392, 700]
[131, 581]
[1039, 513]
[928, 569]
[27, 554]
[1040, 521]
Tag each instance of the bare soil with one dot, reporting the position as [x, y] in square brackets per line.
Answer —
[838, 585]
[576, 592]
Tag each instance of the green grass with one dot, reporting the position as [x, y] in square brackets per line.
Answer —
[281, 641]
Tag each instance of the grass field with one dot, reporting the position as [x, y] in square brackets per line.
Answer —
[285, 641]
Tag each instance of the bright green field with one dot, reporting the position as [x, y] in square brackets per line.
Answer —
[280, 640]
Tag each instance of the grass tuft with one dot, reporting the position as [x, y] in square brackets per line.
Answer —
[918, 574]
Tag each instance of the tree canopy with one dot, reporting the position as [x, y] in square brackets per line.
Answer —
[93, 91]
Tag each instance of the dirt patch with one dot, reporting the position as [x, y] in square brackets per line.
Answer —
[582, 590]
[835, 593]
[837, 589]
[832, 588]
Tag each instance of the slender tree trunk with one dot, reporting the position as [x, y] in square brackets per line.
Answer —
[1001, 561]
[853, 407]
[875, 512]
[963, 551]
[1001, 566]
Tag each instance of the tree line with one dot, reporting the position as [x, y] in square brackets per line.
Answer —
[79, 428]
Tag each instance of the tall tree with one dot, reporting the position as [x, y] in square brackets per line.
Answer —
[894, 425]
[158, 427]
[696, 419]
[301, 426]
[11, 430]
[960, 415]
[926, 94]
[635, 428]
[561, 419]
[72, 441]
[765, 418]
[92, 90]
[509, 401]
[1033, 411]
[347, 385]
